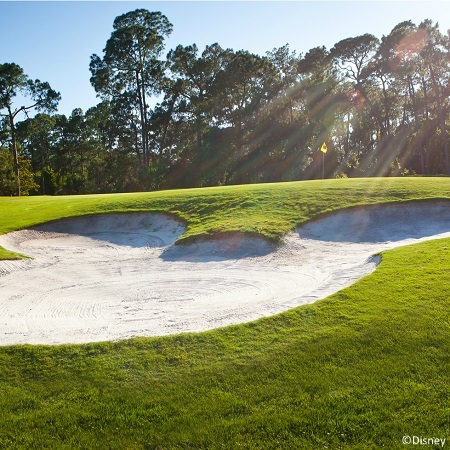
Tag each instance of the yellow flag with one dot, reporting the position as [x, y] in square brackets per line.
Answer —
[323, 149]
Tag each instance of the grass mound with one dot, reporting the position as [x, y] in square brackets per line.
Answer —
[270, 210]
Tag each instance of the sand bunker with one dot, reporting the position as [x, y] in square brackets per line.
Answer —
[117, 276]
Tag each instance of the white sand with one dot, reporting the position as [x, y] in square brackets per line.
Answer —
[116, 276]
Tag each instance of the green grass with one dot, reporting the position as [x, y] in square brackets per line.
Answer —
[358, 370]
[7, 255]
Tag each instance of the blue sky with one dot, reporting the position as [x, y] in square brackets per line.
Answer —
[53, 41]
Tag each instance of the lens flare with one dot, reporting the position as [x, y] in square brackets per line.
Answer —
[409, 47]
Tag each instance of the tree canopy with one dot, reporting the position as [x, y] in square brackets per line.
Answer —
[13, 81]
[214, 116]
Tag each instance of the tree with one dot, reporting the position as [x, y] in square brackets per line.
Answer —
[195, 78]
[351, 57]
[353, 54]
[435, 59]
[37, 137]
[14, 81]
[399, 58]
[8, 184]
[130, 67]
[286, 63]
[244, 91]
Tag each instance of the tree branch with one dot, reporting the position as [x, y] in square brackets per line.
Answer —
[23, 109]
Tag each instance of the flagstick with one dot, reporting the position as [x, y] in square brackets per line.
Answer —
[323, 149]
[323, 165]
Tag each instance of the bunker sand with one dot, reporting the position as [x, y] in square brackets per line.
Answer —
[116, 276]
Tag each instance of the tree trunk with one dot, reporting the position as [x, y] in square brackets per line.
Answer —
[442, 121]
[387, 120]
[145, 125]
[291, 110]
[417, 122]
[423, 157]
[14, 150]
[198, 121]
[43, 175]
[347, 140]
[142, 114]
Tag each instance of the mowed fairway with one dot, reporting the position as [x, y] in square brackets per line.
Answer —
[360, 369]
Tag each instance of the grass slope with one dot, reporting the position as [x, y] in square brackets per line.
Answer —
[269, 209]
[358, 370]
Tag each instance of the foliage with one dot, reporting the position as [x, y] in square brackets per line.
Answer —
[13, 81]
[130, 67]
[7, 177]
[8, 183]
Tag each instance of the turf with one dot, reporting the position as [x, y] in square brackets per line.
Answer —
[358, 370]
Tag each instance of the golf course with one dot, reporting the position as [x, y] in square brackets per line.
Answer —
[217, 326]
[225, 225]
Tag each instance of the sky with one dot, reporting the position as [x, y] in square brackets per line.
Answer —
[53, 41]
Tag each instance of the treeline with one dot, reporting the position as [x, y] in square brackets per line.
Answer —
[219, 116]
